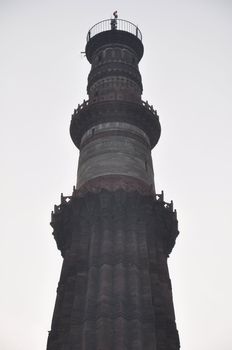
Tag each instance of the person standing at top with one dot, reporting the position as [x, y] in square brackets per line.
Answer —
[114, 20]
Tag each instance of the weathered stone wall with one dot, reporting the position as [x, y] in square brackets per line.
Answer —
[114, 290]
[115, 149]
[114, 75]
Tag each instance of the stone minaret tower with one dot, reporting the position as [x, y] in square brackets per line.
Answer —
[114, 233]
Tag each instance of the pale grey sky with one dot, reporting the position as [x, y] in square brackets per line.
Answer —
[187, 76]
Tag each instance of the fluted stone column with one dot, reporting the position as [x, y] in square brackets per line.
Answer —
[115, 233]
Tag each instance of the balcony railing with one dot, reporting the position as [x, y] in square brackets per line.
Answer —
[114, 24]
[62, 228]
[66, 200]
[85, 104]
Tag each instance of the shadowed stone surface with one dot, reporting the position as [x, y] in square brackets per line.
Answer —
[115, 233]
[114, 290]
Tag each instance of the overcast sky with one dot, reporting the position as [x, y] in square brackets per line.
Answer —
[187, 76]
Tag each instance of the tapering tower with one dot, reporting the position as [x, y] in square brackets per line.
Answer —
[114, 233]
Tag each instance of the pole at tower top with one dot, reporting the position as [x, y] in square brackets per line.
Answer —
[113, 22]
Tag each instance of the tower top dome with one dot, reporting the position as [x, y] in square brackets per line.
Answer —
[114, 31]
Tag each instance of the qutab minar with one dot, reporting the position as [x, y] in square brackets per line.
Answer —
[114, 233]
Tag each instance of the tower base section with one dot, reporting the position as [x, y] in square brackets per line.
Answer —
[114, 291]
